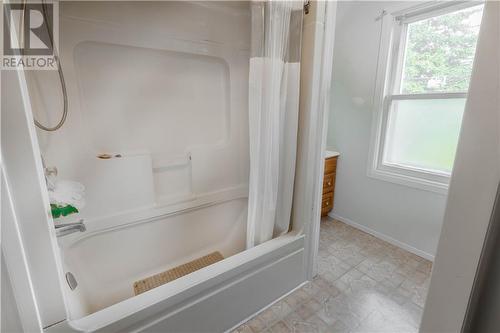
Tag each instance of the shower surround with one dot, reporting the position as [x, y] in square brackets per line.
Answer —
[158, 133]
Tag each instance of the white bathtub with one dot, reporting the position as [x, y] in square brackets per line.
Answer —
[104, 299]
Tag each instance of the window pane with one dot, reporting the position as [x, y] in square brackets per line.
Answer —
[440, 51]
[424, 133]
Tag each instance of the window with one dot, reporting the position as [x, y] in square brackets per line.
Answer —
[425, 64]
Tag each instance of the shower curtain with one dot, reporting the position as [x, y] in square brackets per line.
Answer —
[273, 116]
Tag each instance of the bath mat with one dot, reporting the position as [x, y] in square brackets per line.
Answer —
[176, 272]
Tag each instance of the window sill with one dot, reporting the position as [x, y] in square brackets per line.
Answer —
[410, 181]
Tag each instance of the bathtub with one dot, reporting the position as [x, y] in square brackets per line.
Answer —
[197, 190]
[212, 299]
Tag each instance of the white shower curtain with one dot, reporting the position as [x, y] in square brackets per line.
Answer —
[273, 117]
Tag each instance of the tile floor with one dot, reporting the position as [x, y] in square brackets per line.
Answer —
[364, 285]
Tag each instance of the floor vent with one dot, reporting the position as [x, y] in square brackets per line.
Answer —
[176, 272]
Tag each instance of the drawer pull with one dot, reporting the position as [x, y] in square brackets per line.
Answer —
[329, 183]
[328, 203]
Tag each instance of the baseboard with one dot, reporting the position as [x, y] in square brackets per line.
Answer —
[383, 237]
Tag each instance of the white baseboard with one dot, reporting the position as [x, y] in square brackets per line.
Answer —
[383, 237]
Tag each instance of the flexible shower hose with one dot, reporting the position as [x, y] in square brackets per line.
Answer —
[59, 70]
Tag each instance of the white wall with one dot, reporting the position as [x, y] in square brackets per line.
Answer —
[10, 321]
[407, 216]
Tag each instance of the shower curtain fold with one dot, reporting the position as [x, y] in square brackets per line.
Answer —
[273, 117]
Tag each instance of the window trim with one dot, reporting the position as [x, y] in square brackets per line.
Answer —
[387, 89]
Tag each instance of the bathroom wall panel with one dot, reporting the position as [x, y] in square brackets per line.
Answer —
[153, 100]
[166, 80]
[113, 184]
[173, 181]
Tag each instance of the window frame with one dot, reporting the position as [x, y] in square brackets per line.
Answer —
[390, 66]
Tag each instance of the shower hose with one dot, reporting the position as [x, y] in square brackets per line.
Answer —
[59, 70]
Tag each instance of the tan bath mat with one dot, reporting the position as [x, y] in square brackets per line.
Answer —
[176, 272]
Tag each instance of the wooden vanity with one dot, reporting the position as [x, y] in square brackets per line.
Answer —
[329, 182]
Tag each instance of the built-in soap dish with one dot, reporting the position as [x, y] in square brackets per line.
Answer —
[106, 156]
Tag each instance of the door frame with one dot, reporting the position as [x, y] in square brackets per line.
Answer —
[472, 191]
[317, 94]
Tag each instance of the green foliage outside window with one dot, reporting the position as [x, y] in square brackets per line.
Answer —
[440, 52]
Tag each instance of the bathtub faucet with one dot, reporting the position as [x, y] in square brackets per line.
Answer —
[64, 229]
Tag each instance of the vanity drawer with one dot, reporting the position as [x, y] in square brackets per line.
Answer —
[327, 200]
[328, 182]
[327, 203]
[330, 165]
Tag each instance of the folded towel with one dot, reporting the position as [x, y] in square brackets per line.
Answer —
[66, 192]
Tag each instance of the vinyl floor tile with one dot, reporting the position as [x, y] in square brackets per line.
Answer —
[363, 285]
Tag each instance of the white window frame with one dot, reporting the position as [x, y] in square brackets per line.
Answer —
[387, 87]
